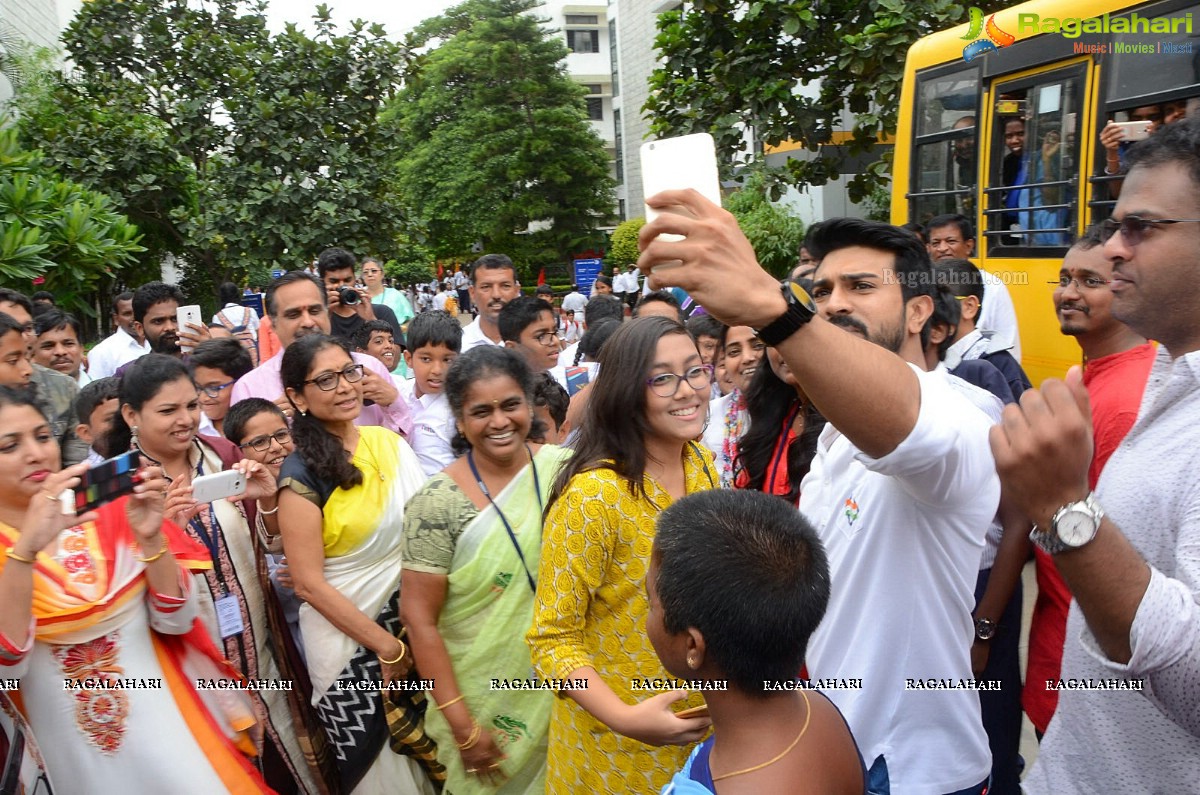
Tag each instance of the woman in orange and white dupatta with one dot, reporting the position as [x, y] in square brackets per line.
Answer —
[98, 622]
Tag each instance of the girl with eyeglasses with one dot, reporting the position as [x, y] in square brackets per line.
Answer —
[341, 505]
[159, 416]
[634, 457]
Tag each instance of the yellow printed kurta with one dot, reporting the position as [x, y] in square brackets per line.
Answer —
[591, 611]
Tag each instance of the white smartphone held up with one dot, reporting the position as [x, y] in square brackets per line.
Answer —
[185, 315]
[1134, 130]
[218, 486]
[689, 161]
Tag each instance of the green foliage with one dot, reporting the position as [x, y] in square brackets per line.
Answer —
[57, 230]
[730, 65]
[775, 235]
[409, 272]
[623, 250]
[236, 150]
[495, 138]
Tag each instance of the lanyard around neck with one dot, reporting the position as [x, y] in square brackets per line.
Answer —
[537, 490]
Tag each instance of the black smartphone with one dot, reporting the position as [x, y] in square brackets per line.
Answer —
[107, 481]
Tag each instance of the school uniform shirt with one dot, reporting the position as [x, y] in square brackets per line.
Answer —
[904, 534]
[433, 428]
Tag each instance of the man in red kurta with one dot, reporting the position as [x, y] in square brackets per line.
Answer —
[1116, 365]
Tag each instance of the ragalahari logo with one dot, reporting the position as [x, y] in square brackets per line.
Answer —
[996, 38]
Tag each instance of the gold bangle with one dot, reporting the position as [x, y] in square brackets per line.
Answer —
[472, 739]
[403, 651]
[451, 701]
[157, 555]
[11, 554]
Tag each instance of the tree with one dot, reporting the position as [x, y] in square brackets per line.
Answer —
[624, 247]
[774, 233]
[57, 231]
[731, 64]
[235, 150]
[497, 146]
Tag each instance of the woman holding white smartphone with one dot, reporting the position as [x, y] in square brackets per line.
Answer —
[159, 416]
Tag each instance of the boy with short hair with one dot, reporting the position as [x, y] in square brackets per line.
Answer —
[550, 404]
[434, 340]
[96, 405]
[377, 339]
[527, 325]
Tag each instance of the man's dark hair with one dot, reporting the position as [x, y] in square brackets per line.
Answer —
[8, 296]
[125, 296]
[748, 572]
[335, 259]
[242, 412]
[9, 323]
[953, 219]
[1089, 239]
[291, 277]
[662, 297]
[544, 289]
[912, 267]
[1177, 144]
[95, 393]
[229, 293]
[960, 277]
[55, 319]
[916, 229]
[519, 314]
[492, 262]
[436, 327]
[549, 393]
[225, 354]
[362, 337]
[152, 293]
[44, 295]
[704, 325]
[600, 307]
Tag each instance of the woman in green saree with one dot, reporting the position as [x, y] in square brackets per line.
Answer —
[471, 546]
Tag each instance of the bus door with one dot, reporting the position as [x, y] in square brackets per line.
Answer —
[1036, 125]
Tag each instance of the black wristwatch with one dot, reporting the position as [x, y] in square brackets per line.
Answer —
[801, 309]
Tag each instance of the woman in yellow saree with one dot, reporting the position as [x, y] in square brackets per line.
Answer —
[472, 543]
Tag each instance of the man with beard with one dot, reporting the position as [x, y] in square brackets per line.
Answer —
[1117, 362]
[54, 392]
[493, 284]
[154, 313]
[296, 304]
[125, 344]
[902, 489]
[59, 344]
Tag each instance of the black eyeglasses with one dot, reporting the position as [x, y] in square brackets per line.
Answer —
[328, 382]
[546, 339]
[263, 443]
[215, 390]
[667, 384]
[1133, 227]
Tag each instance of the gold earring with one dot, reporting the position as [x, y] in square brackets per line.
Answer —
[691, 662]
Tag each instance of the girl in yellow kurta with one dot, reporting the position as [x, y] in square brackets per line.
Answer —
[634, 457]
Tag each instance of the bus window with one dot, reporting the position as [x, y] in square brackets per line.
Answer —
[1173, 55]
[1035, 155]
[944, 165]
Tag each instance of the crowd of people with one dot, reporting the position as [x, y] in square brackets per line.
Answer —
[704, 532]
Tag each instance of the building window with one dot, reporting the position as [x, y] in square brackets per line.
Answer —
[583, 41]
[593, 89]
[612, 55]
[618, 145]
[595, 108]
[582, 19]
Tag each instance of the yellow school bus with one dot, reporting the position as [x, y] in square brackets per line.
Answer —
[1050, 74]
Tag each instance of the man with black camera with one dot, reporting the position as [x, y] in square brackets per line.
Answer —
[349, 302]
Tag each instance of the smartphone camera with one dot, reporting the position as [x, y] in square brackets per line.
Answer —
[348, 296]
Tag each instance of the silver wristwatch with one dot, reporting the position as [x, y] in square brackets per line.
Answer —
[1073, 525]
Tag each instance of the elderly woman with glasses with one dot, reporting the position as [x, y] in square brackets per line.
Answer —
[341, 505]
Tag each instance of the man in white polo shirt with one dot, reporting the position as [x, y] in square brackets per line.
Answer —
[493, 284]
[122, 346]
[902, 489]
